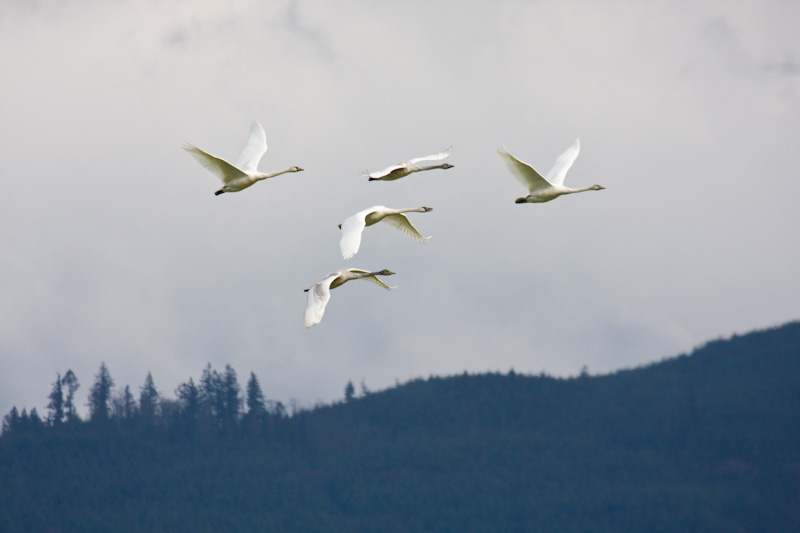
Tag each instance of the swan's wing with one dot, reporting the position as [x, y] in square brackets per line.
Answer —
[254, 150]
[386, 171]
[434, 157]
[318, 296]
[351, 233]
[223, 170]
[523, 171]
[562, 164]
[401, 222]
[373, 279]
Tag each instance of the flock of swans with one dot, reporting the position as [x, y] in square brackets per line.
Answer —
[245, 173]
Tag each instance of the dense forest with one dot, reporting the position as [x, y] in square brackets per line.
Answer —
[705, 442]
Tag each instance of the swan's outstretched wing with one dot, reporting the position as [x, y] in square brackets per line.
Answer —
[434, 157]
[254, 150]
[386, 171]
[401, 222]
[563, 163]
[318, 296]
[223, 170]
[373, 279]
[523, 171]
[351, 233]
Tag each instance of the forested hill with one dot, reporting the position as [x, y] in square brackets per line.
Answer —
[705, 442]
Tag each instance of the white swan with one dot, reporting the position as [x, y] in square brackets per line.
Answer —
[320, 292]
[245, 173]
[548, 188]
[354, 225]
[404, 169]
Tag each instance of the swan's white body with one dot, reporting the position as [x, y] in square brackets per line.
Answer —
[245, 172]
[354, 225]
[320, 292]
[543, 189]
[404, 169]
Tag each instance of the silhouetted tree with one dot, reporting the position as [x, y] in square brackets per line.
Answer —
[148, 401]
[210, 393]
[349, 391]
[189, 399]
[255, 398]
[56, 406]
[11, 421]
[100, 395]
[71, 383]
[255, 418]
[231, 398]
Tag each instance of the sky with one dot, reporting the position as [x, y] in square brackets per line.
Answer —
[114, 249]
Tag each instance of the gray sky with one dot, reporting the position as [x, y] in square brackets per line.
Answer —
[114, 248]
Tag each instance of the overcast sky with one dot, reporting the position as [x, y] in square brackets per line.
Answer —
[113, 247]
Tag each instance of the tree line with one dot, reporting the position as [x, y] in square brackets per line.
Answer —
[215, 404]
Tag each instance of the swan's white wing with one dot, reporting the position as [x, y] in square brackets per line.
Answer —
[254, 150]
[523, 171]
[434, 157]
[373, 279]
[318, 296]
[401, 222]
[386, 171]
[351, 233]
[563, 163]
[224, 170]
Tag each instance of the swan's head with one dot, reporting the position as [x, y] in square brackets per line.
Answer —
[597, 187]
[523, 200]
[447, 165]
[295, 169]
[425, 209]
[386, 272]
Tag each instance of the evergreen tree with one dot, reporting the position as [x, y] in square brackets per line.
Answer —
[148, 401]
[255, 419]
[349, 391]
[255, 398]
[100, 395]
[55, 408]
[189, 399]
[71, 382]
[11, 421]
[231, 398]
[35, 421]
[210, 393]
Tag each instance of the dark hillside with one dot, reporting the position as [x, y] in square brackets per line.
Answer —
[704, 442]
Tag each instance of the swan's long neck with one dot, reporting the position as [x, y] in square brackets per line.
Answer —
[412, 210]
[431, 167]
[590, 188]
[261, 176]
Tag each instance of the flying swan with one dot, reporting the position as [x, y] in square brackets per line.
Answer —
[245, 173]
[550, 187]
[354, 225]
[401, 170]
[320, 292]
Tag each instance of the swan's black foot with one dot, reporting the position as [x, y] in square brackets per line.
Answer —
[218, 192]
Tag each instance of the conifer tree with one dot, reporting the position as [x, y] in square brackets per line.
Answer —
[71, 382]
[255, 398]
[148, 401]
[11, 421]
[100, 395]
[55, 408]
